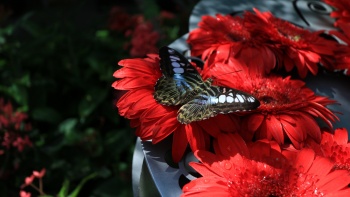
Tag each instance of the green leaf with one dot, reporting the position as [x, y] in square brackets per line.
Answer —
[151, 9]
[81, 184]
[25, 80]
[111, 186]
[67, 127]
[104, 172]
[18, 93]
[46, 114]
[102, 34]
[91, 101]
[64, 189]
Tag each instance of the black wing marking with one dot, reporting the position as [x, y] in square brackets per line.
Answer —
[216, 100]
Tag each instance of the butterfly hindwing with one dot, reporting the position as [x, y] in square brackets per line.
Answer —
[180, 81]
[216, 100]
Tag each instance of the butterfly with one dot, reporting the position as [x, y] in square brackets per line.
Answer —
[182, 85]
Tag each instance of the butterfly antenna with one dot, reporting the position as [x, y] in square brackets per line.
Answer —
[215, 77]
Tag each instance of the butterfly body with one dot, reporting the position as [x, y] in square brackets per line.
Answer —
[182, 85]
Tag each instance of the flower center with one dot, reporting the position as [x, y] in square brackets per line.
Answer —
[267, 182]
[271, 182]
[237, 36]
[294, 38]
[278, 95]
[273, 99]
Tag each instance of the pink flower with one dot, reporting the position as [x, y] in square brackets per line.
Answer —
[24, 194]
[39, 174]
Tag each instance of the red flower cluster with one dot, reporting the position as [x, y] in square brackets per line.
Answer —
[261, 41]
[278, 149]
[13, 128]
[121, 21]
[144, 40]
[143, 36]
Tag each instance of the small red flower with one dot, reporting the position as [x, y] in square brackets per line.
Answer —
[341, 12]
[28, 181]
[155, 121]
[335, 147]
[144, 40]
[20, 143]
[227, 36]
[24, 194]
[39, 174]
[287, 107]
[235, 172]
[120, 20]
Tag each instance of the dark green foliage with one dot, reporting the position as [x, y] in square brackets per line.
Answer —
[56, 65]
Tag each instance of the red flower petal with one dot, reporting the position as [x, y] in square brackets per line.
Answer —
[336, 180]
[304, 160]
[39, 174]
[341, 136]
[227, 145]
[275, 128]
[198, 140]
[179, 144]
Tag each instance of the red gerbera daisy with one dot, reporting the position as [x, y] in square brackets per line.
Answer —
[342, 12]
[228, 36]
[288, 108]
[335, 147]
[155, 121]
[294, 46]
[235, 173]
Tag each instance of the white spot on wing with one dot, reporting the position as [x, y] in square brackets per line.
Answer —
[240, 98]
[222, 99]
[178, 70]
[175, 64]
[229, 99]
[174, 58]
[213, 100]
[251, 99]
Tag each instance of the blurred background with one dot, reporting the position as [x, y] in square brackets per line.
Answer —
[57, 106]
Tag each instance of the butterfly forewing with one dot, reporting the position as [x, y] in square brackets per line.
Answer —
[180, 81]
[172, 62]
[216, 100]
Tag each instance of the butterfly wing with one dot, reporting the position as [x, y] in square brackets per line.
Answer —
[216, 100]
[180, 81]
